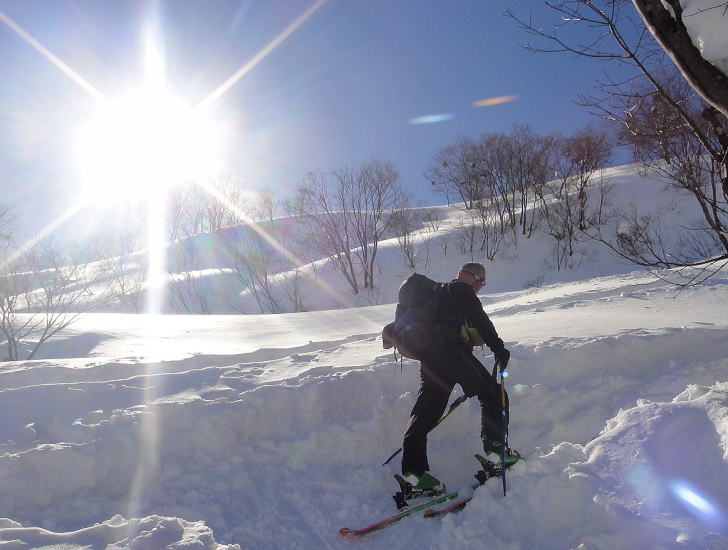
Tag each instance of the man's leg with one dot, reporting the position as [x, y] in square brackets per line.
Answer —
[429, 407]
[492, 414]
[476, 380]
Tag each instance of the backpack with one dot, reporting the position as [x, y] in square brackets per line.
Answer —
[414, 327]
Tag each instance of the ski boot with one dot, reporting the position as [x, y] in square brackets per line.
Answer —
[494, 453]
[413, 486]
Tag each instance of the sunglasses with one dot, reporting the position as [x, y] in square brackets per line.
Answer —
[478, 279]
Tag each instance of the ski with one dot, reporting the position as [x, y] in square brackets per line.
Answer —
[489, 470]
[347, 532]
[456, 506]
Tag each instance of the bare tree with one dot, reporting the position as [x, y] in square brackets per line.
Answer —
[662, 141]
[186, 286]
[498, 196]
[119, 249]
[493, 235]
[347, 216]
[375, 193]
[179, 203]
[322, 205]
[404, 222]
[498, 176]
[255, 263]
[512, 166]
[452, 171]
[584, 153]
[666, 21]
[42, 292]
[610, 30]
[525, 159]
[127, 277]
[218, 213]
[193, 215]
[564, 201]
[670, 150]
[293, 286]
[14, 281]
[266, 206]
[642, 238]
[430, 228]
[8, 218]
[616, 33]
[467, 237]
[192, 209]
[475, 171]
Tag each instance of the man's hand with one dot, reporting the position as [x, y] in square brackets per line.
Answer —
[502, 358]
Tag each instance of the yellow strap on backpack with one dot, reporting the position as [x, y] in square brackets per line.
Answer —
[474, 337]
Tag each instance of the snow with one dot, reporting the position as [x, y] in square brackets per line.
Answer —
[706, 22]
[268, 431]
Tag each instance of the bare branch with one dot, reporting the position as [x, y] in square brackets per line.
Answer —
[670, 31]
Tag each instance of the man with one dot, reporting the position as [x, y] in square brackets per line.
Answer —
[449, 361]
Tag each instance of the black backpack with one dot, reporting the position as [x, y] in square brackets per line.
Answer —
[414, 326]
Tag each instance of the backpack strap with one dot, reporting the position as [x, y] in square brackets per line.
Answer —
[448, 319]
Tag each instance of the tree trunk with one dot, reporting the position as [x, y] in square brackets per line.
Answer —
[670, 32]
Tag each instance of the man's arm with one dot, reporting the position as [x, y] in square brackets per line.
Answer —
[475, 315]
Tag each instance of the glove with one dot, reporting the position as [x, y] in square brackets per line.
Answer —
[389, 339]
[502, 358]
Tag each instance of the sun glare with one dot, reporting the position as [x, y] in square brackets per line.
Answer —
[144, 142]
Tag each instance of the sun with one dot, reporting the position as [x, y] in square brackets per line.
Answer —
[143, 143]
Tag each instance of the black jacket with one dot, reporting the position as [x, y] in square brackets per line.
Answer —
[461, 307]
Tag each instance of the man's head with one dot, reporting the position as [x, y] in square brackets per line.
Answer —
[473, 274]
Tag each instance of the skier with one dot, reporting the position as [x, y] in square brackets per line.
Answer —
[461, 323]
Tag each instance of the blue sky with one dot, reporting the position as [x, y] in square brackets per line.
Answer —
[343, 88]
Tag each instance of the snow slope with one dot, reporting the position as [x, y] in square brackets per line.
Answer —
[263, 431]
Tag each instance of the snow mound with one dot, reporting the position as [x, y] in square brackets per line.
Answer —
[657, 466]
[150, 533]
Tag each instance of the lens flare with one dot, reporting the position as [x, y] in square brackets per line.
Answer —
[262, 54]
[271, 240]
[696, 503]
[495, 100]
[47, 231]
[430, 119]
[50, 56]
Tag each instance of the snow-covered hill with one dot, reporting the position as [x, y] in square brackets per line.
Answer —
[202, 265]
[268, 431]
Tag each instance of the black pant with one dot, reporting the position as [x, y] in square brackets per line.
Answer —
[444, 367]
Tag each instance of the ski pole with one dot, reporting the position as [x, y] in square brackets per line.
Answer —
[505, 426]
[454, 406]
